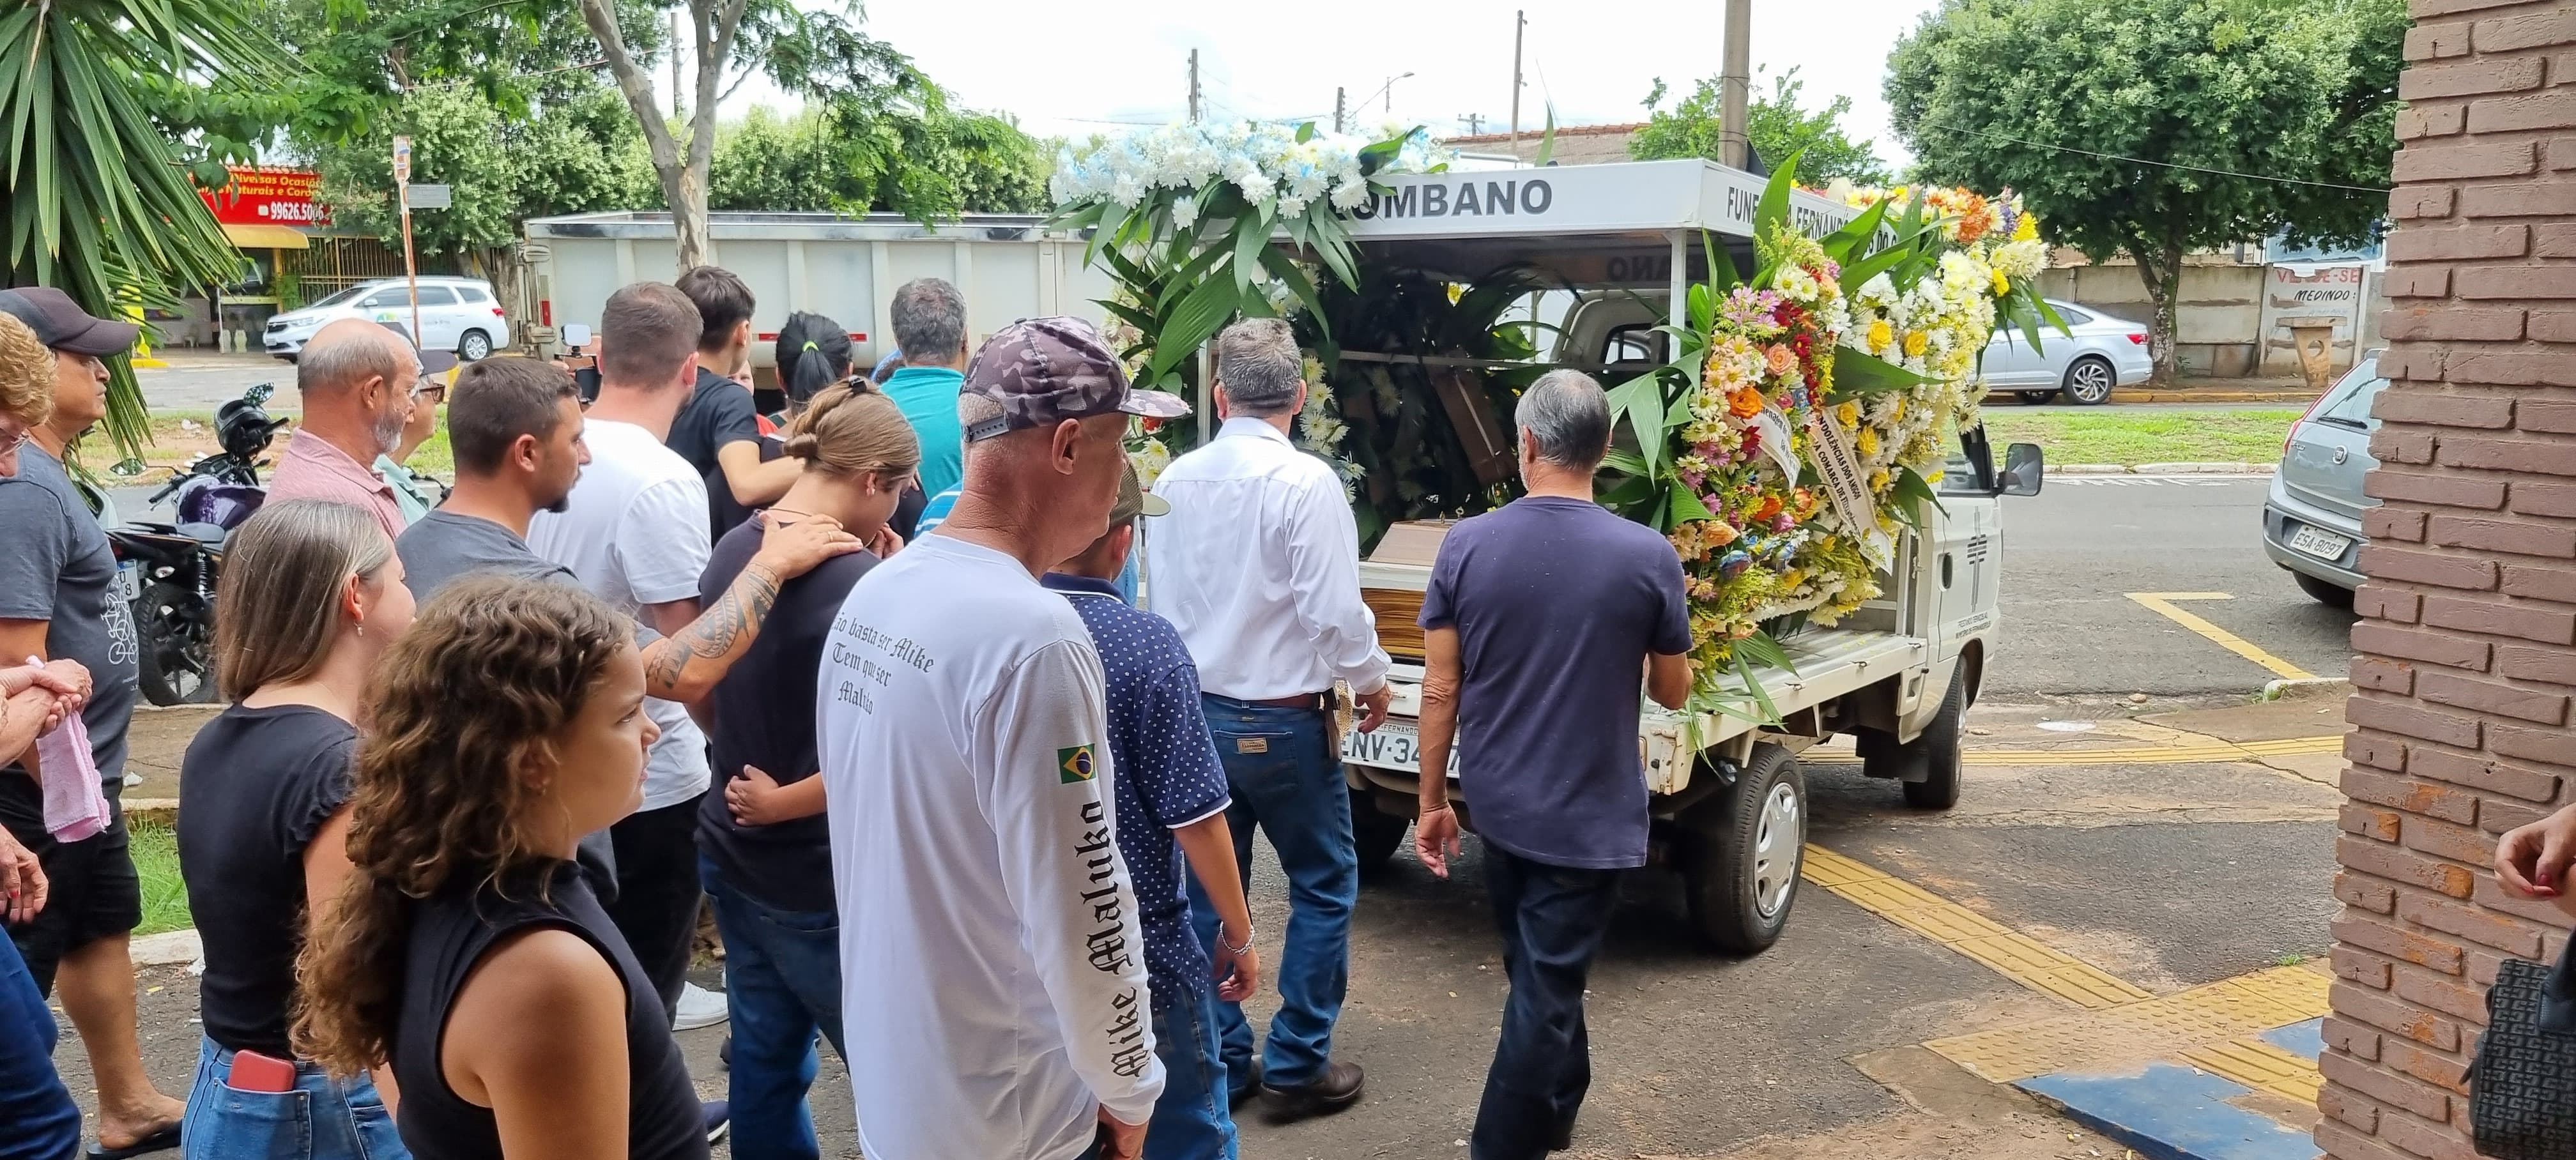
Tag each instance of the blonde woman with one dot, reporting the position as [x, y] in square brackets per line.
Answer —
[765, 851]
[312, 593]
[467, 949]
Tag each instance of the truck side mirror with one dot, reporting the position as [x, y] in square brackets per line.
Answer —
[2023, 466]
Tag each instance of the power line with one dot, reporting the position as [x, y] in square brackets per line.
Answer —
[2146, 161]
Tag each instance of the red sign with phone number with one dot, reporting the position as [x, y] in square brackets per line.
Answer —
[261, 196]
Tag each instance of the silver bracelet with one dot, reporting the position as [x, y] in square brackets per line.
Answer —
[1233, 950]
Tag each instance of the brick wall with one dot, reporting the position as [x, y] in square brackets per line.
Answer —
[2467, 642]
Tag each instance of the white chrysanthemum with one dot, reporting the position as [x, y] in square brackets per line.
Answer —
[1150, 460]
[1795, 284]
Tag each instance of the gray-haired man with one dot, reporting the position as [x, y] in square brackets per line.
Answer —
[929, 317]
[1258, 567]
[1538, 617]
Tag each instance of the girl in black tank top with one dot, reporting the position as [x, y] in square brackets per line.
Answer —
[468, 951]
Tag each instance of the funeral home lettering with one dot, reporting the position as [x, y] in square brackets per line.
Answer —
[1468, 198]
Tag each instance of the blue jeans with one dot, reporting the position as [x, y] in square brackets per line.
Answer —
[1194, 1119]
[1292, 788]
[782, 988]
[322, 1119]
[43, 1123]
[1552, 919]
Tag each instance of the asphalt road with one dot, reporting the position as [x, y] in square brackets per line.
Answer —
[2072, 554]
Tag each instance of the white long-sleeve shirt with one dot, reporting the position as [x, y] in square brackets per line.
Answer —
[991, 957]
[1258, 565]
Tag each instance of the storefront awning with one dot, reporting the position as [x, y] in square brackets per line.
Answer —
[261, 237]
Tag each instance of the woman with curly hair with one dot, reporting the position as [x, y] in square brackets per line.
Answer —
[311, 595]
[467, 950]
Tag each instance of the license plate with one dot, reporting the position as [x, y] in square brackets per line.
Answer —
[1394, 745]
[2318, 542]
[129, 581]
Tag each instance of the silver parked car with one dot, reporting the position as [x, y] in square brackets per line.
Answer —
[2312, 518]
[459, 314]
[2103, 352]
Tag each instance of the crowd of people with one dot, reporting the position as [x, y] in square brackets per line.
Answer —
[869, 678]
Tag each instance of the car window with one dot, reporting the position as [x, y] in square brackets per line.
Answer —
[389, 296]
[1631, 343]
[471, 294]
[2072, 316]
[342, 296]
[2348, 403]
[437, 296]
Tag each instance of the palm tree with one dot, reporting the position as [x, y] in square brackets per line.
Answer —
[99, 202]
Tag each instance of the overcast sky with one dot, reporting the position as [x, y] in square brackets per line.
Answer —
[1074, 67]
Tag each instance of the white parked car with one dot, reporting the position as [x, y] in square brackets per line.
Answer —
[458, 314]
[2104, 352]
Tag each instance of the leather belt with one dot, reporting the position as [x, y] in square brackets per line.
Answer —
[1314, 701]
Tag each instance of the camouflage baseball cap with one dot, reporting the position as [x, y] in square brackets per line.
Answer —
[1042, 371]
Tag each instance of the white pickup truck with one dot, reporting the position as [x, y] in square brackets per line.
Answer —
[1728, 800]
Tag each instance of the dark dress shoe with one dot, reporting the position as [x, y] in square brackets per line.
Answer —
[1336, 1089]
[1250, 1087]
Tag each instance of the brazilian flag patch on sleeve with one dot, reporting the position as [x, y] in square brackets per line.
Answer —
[1074, 764]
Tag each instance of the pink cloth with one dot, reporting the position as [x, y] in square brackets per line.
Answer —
[74, 806]
[314, 468]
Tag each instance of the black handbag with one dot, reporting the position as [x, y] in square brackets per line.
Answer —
[2522, 1086]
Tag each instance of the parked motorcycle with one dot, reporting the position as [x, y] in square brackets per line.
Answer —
[167, 571]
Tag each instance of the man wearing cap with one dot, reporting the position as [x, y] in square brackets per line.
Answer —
[991, 949]
[58, 599]
[1171, 801]
[1258, 567]
[356, 379]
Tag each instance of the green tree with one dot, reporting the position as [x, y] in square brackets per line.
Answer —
[1777, 125]
[100, 204]
[2244, 118]
[925, 165]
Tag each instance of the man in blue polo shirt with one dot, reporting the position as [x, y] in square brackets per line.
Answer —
[1172, 799]
[929, 317]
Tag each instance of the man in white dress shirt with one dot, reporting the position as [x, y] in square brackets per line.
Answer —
[1258, 566]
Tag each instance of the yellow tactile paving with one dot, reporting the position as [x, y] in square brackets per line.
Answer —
[2015, 956]
[2147, 1028]
[2130, 755]
[2260, 1065]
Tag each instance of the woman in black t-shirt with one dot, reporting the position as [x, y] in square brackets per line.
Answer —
[311, 594]
[467, 951]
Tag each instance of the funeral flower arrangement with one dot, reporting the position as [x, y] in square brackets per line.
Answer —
[1812, 403]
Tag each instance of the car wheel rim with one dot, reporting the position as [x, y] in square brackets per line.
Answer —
[476, 348]
[2092, 382]
[1775, 851]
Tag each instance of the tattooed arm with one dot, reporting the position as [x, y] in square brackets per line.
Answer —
[686, 664]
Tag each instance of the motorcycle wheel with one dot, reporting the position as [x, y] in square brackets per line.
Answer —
[174, 661]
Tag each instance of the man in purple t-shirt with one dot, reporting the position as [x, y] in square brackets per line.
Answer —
[1538, 622]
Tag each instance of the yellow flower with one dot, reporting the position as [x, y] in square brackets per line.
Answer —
[2002, 285]
[1878, 480]
[1880, 334]
[1914, 340]
[2027, 228]
[1868, 443]
[1848, 413]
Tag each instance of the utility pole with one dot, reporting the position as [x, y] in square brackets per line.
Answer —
[676, 110]
[1194, 84]
[1520, 27]
[1734, 84]
[1339, 94]
[1475, 123]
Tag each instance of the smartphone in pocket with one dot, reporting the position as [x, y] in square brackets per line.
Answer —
[254, 1072]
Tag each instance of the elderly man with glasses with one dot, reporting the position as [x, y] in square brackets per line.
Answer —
[362, 387]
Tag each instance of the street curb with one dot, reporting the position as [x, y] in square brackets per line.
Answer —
[2184, 395]
[2197, 467]
[168, 948]
[158, 811]
[2307, 688]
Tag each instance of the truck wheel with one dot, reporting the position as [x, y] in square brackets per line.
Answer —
[1376, 833]
[1741, 851]
[1938, 750]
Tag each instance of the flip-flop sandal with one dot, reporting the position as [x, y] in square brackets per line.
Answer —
[161, 1140]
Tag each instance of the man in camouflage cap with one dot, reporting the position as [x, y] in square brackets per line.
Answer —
[963, 736]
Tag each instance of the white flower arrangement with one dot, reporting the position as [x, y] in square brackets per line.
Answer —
[1266, 163]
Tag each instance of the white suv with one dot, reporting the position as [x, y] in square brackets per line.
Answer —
[458, 314]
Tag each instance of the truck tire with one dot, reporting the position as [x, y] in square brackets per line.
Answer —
[1938, 750]
[1740, 851]
[1376, 833]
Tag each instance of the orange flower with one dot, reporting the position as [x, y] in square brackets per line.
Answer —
[1746, 402]
[1770, 507]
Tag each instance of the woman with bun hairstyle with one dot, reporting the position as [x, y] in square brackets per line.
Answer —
[765, 851]
[467, 949]
[813, 353]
